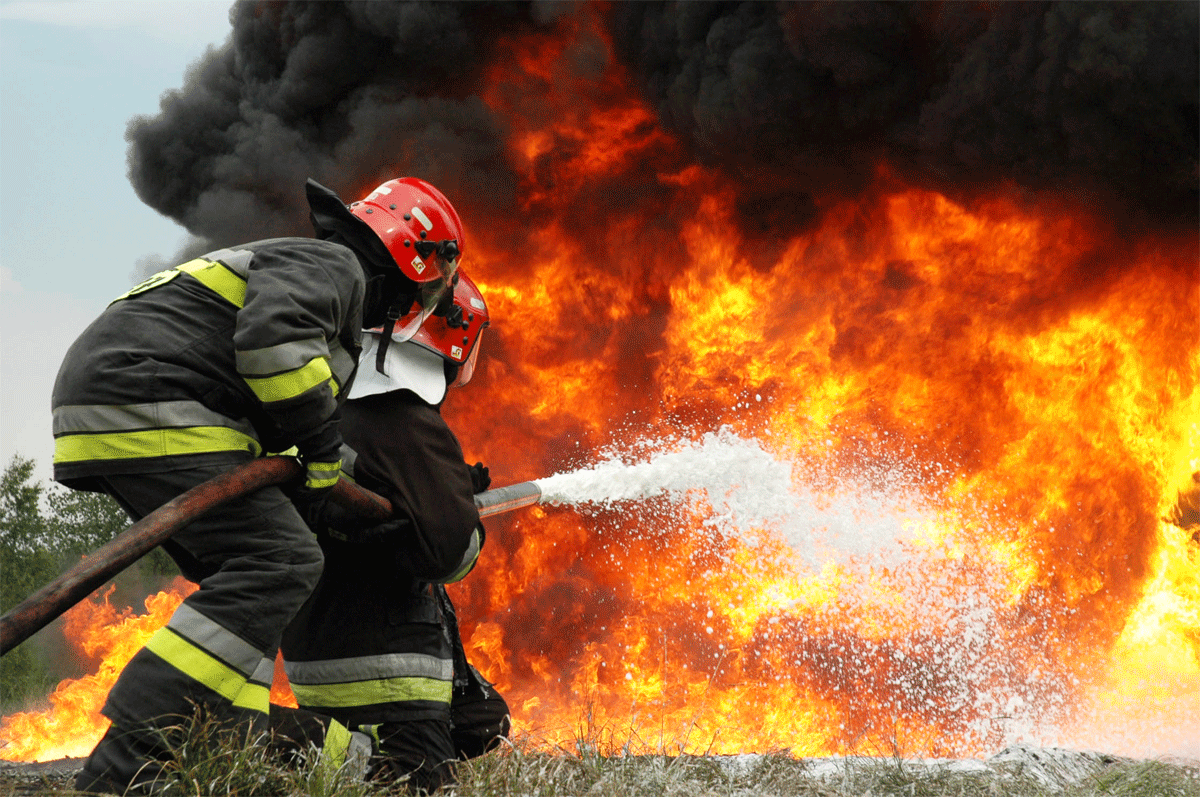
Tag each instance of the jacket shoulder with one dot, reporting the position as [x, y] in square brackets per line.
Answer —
[336, 259]
[309, 246]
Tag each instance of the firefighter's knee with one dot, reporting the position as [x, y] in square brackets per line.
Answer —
[308, 564]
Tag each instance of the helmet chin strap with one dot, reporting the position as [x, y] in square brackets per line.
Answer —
[401, 306]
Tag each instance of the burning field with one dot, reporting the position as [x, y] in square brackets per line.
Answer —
[866, 338]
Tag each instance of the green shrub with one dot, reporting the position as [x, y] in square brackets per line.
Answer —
[43, 533]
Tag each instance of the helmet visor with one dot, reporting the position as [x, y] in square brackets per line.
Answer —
[433, 298]
[467, 369]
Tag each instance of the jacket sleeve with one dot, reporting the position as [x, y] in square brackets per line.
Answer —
[406, 453]
[301, 298]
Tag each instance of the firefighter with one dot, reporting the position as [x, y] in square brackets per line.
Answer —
[376, 646]
[236, 354]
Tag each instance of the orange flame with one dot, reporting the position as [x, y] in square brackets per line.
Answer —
[72, 725]
[1023, 368]
[986, 406]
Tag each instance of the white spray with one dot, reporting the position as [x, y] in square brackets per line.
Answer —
[750, 489]
[868, 521]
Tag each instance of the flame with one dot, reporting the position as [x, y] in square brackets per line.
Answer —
[100, 632]
[97, 631]
[1011, 379]
[985, 407]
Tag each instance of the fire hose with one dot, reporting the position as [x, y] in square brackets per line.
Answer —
[42, 607]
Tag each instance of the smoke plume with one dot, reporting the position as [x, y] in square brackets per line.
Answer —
[350, 94]
[804, 98]
[797, 100]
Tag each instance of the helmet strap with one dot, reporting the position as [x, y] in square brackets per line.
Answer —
[381, 350]
[398, 308]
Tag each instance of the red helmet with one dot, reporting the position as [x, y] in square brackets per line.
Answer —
[456, 335]
[424, 235]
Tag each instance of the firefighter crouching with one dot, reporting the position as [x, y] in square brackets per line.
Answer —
[377, 646]
[239, 353]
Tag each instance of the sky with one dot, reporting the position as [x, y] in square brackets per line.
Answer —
[72, 231]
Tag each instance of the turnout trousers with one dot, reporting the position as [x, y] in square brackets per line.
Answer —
[394, 668]
[256, 562]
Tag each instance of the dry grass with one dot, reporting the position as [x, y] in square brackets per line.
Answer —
[524, 770]
[210, 762]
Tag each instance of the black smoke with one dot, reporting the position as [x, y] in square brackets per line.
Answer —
[1092, 99]
[350, 94]
[796, 100]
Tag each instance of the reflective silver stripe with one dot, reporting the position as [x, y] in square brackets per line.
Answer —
[216, 640]
[75, 418]
[366, 668]
[236, 260]
[264, 673]
[319, 475]
[280, 358]
[366, 693]
[349, 457]
[340, 362]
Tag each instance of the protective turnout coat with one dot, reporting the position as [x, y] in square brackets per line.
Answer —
[234, 354]
[241, 351]
[370, 645]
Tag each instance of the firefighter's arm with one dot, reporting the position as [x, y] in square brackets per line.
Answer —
[406, 453]
[467, 563]
[421, 560]
[298, 301]
[480, 481]
[439, 546]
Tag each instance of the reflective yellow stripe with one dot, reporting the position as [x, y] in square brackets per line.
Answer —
[293, 383]
[337, 742]
[372, 731]
[152, 443]
[198, 665]
[217, 278]
[153, 281]
[213, 275]
[367, 693]
[255, 697]
[322, 474]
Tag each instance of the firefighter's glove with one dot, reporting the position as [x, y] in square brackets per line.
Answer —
[391, 531]
[345, 525]
[321, 457]
[480, 480]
